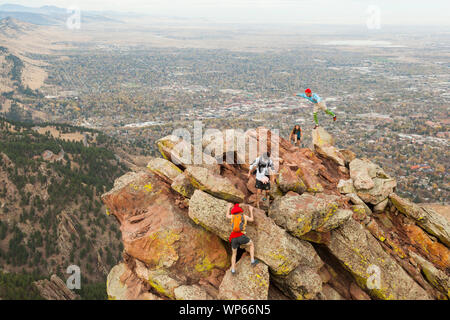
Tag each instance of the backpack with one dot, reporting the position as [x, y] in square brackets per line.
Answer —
[261, 165]
[238, 222]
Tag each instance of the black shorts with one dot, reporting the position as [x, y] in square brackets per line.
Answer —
[237, 242]
[262, 186]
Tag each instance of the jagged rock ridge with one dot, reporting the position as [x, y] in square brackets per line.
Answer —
[334, 228]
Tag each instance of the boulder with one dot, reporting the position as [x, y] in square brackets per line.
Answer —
[344, 170]
[123, 284]
[427, 218]
[274, 246]
[362, 171]
[348, 155]
[157, 232]
[54, 289]
[300, 214]
[220, 187]
[375, 271]
[182, 184]
[332, 153]
[330, 293]
[372, 184]
[432, 249]
[321, 137]
[435, 277]
[324, 145]
[249, 282]
[346, 186]
[193, 292]
[275, 191]
[251, 184]
[358, 202]
[337, 219]
[316, 237]
[164, 168]
[380, 207]
[380, 192]
[304, 283]
[288, 180]
[359, 212]
[182, 153]
[159, 279]
[309, 174]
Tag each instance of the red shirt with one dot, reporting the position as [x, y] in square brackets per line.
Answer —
[235, 235]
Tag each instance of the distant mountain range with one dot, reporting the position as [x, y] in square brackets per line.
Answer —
[48, 15]
[11, 26]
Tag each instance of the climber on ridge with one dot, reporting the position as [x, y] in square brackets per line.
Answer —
[237, 237]
[318, 104]
[296, 135]
[264, 167]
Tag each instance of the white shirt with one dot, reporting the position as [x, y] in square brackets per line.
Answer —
[264, 168]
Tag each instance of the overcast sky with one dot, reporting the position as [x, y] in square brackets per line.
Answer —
[398, 12]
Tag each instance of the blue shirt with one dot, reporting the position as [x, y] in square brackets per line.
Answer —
[314, 98]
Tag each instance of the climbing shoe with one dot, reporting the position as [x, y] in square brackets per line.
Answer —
[233, 272]
[334, 118]
[255, 262]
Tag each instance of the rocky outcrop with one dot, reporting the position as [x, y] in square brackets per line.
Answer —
[193, 292]
[372, 184]
[123, 284]
[158, 233]
[276, 248]
[429, 220]
[303, 283]
[163, 168]
[203, 179]
[300, 214]
[288, 180]
[183, 185]
[333, 227]
[346, 186]
[182, 153]
[373, 268]
[54, 289]
[436, 277]
[249, 282]
[324, 145]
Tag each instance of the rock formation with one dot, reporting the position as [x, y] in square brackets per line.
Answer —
[54, 289]
[334, 227]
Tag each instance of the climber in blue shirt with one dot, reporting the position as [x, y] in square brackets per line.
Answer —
[319, 104]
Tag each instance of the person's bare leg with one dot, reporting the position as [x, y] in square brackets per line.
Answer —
[258, 192]
[233, 259]
[252, 251]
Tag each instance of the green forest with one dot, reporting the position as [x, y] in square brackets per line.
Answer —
[74, 186]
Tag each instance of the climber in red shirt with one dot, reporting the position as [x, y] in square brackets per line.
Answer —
[237, 237]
